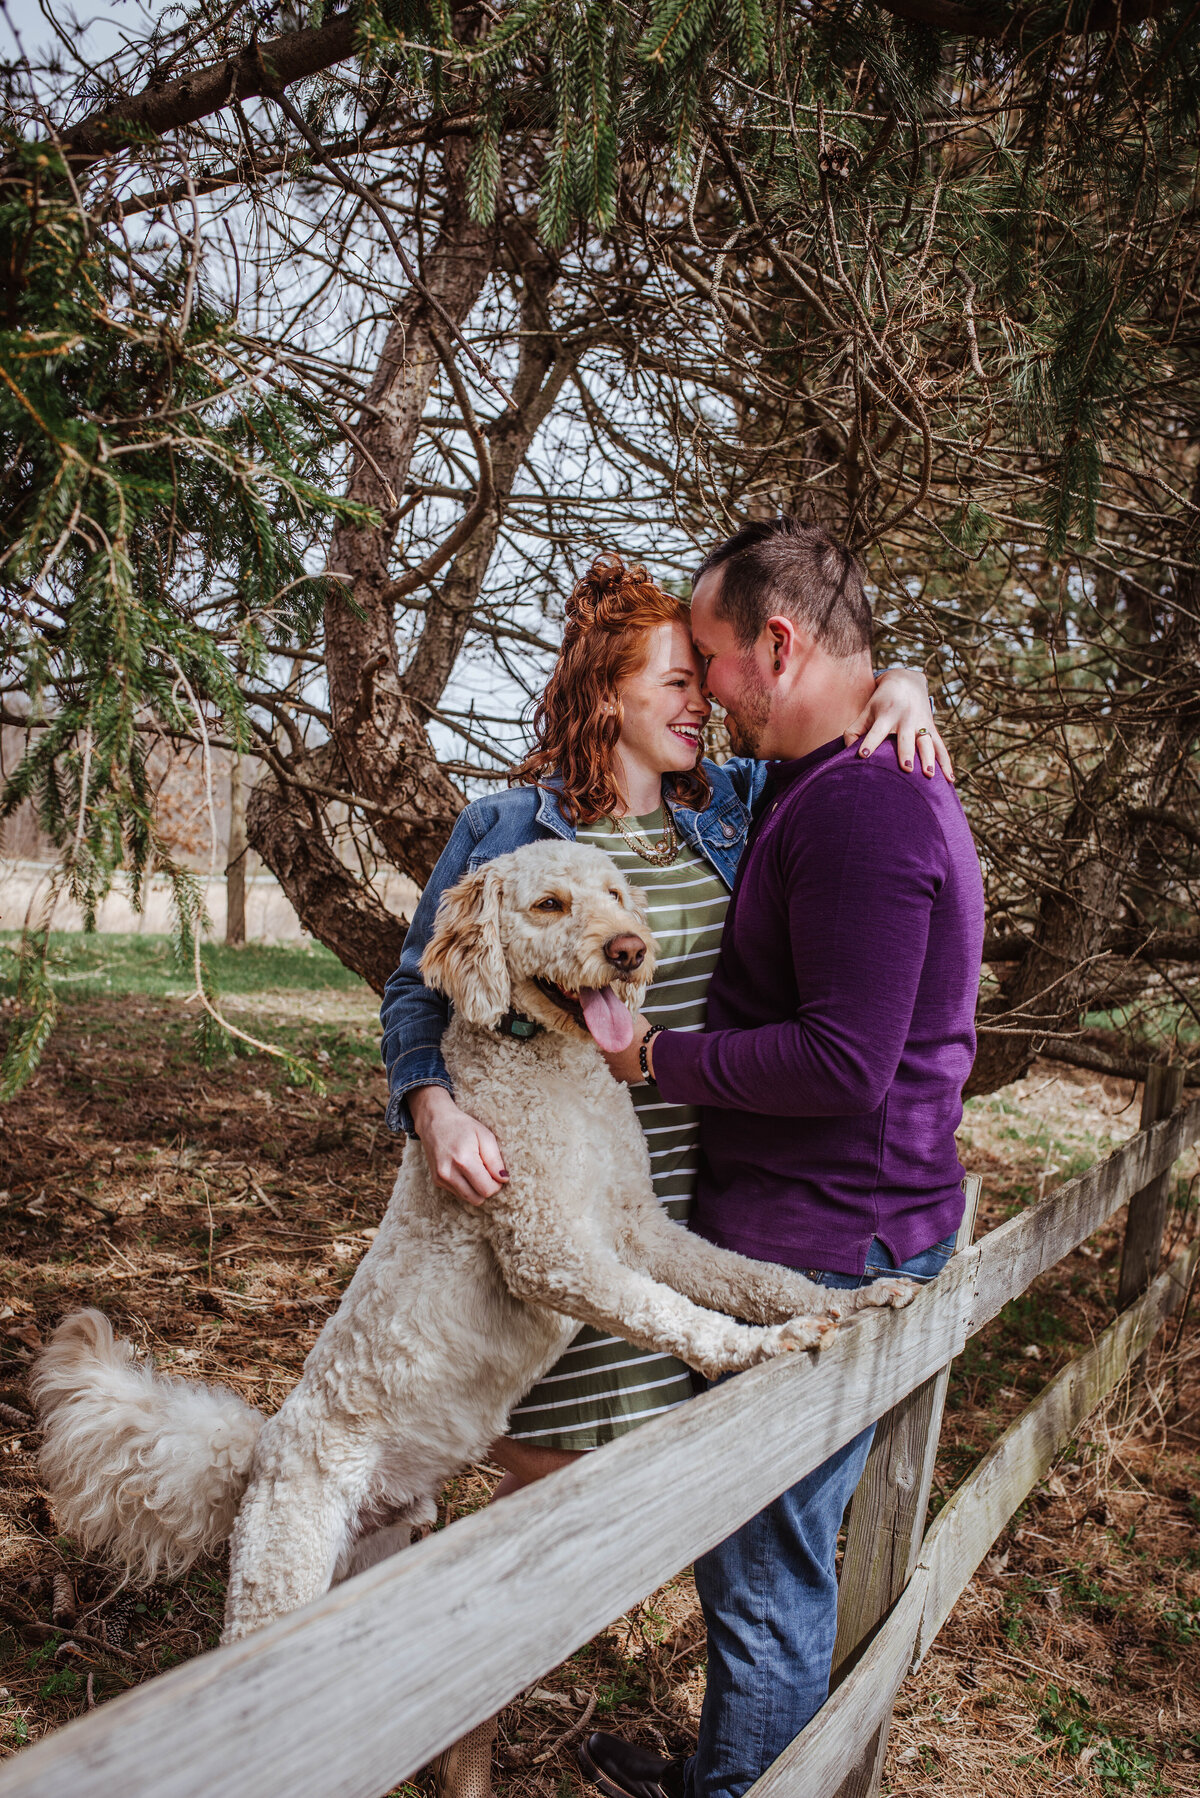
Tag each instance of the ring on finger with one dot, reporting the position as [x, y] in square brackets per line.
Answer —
[923, 732]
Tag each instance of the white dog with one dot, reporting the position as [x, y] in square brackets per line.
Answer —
[455, 1311]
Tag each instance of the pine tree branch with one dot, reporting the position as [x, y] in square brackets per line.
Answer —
[433, 131]
[1166, 945]
[1078, 1054]
[1011, 947]
[1081, 1052]
[1157, 814]
[964, 21]
[262, 68]
[256, 69]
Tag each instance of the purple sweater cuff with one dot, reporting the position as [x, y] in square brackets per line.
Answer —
[676, 1060]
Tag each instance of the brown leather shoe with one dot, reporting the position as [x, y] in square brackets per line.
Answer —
[623, 1770]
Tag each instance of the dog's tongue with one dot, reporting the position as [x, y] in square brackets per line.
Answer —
[608, 1021]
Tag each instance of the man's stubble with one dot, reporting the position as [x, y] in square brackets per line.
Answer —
[747, 721]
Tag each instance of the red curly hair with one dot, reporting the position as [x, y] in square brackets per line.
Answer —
[609, 617]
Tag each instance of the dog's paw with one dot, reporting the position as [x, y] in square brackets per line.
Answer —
[806, 1332]
[420, 1517]
[894, 1292]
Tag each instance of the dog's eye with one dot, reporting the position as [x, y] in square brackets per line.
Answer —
[549, 904]
[613, 894]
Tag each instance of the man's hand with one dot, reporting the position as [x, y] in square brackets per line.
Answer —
[625, 1065]
[463, 1155]
[899, 707]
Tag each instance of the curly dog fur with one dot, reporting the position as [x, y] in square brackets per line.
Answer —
[455, 1311]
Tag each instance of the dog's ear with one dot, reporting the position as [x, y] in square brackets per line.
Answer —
[638, 902]
[464, 957]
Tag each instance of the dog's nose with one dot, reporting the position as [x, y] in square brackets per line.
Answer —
[625, 952]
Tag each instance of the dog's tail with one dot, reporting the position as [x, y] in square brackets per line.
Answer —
[147, 1471]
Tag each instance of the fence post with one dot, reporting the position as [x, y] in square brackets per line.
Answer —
[1147, 1217]
[887, 1526]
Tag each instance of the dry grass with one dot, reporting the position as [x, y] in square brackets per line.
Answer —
[217, 1214]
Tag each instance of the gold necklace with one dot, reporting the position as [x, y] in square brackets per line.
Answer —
[659, 855]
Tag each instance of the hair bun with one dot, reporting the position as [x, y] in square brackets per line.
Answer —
[600, 598]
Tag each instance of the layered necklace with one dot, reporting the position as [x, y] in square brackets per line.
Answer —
[659, 855]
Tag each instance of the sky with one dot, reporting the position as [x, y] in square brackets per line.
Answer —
[94, 26]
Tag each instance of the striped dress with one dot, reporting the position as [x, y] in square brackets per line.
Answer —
[602, 1386]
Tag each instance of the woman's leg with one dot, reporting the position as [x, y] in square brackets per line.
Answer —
[465, 1769]
[525, 1462]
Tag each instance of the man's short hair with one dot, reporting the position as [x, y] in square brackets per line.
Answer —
[779, 565]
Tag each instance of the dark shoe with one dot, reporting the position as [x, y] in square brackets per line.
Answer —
[623, 1770]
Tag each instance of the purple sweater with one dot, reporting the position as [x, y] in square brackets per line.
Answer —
[840, 1019]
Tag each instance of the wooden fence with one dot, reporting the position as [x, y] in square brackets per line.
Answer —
[358, 1691]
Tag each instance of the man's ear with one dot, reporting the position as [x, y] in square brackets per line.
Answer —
[464, 957]
[786, 642]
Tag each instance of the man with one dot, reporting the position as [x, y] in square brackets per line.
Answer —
[840, 1031]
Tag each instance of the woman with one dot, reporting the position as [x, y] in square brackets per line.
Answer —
[617, 762]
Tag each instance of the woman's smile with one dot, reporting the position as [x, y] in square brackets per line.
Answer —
[689, 732]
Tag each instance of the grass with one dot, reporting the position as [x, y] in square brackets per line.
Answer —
[102, 966]
[1160, 1029]
[1114, 1761]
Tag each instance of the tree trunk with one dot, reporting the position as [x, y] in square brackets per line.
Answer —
[542, 368]
[285, 825]
[379, 732]
[235, 865]
[378, 711]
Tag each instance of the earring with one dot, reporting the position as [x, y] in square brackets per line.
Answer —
[777, 664]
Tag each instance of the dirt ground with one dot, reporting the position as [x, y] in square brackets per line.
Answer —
[217, 1213]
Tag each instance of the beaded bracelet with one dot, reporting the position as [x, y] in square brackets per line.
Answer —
[643, 1063]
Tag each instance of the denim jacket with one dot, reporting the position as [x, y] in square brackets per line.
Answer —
[413, 1016]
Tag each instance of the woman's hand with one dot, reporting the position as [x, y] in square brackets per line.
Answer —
[463, 1155]
[899, 707]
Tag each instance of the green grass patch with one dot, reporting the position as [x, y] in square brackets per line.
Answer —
[1157, 1030]
[102, 966]
[1116, 1762]
[1182, 1624]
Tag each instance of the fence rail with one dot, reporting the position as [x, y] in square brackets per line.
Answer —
[356, 1692]
[838, 1737]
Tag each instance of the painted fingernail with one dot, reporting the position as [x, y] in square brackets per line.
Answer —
[908, 767]
[504, 1173]
[864, 751]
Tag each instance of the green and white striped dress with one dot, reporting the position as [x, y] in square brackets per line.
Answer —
[602, 1386]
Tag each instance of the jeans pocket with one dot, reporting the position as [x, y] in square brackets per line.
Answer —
[922, 1268]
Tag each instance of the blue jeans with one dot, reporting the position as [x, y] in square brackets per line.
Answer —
[769, 1595]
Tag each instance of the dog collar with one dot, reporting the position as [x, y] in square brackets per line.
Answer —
[513, 1024]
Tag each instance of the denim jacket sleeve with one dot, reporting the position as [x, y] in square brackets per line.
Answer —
[747, 776]
[413, 1015]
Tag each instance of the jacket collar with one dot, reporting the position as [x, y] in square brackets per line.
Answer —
[549, 811]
